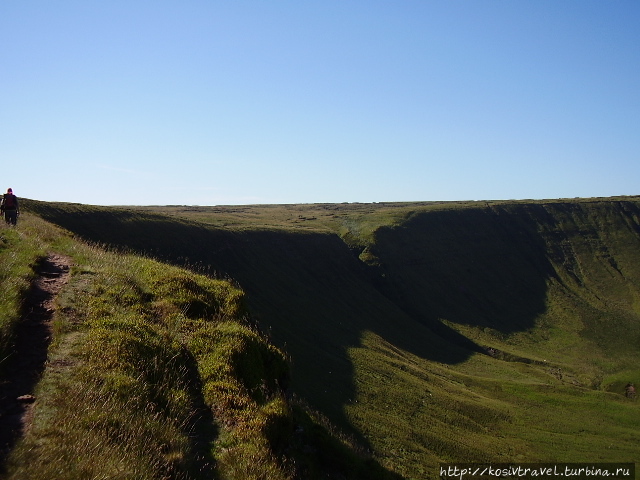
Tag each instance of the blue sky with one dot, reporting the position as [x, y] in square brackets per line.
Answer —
[245, 102]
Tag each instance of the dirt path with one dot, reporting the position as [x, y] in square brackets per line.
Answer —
[25, 367]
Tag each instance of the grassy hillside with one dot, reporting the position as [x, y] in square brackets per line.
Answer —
[157, 373]
[432, 332]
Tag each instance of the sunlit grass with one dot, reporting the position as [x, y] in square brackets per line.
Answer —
[21, 248]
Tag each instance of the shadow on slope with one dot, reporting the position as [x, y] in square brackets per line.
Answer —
[491, 269]
[480, 267]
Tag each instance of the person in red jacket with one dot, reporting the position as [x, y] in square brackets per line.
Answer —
[9, 207]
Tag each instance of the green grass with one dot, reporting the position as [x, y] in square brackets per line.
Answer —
[20, 251]
[386, 313]
[156, 372]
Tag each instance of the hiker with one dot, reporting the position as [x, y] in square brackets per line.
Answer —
[9, 207]
[630, 391]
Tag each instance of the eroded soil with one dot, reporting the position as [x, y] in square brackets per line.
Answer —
[22, 371]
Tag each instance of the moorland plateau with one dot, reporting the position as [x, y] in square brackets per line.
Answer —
[350, 340]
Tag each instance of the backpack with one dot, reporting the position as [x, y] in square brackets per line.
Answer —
[9, 201]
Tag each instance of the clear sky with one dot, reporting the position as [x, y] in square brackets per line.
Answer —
[214, 102]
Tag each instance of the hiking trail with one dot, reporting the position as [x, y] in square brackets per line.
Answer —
[23, 369]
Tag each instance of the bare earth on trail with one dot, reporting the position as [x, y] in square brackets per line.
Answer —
[33, 336]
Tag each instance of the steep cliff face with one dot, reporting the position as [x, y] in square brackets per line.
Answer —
[508, 267]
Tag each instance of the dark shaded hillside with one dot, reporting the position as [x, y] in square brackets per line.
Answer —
[490, 267]
[429, 306]
[482, 267]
